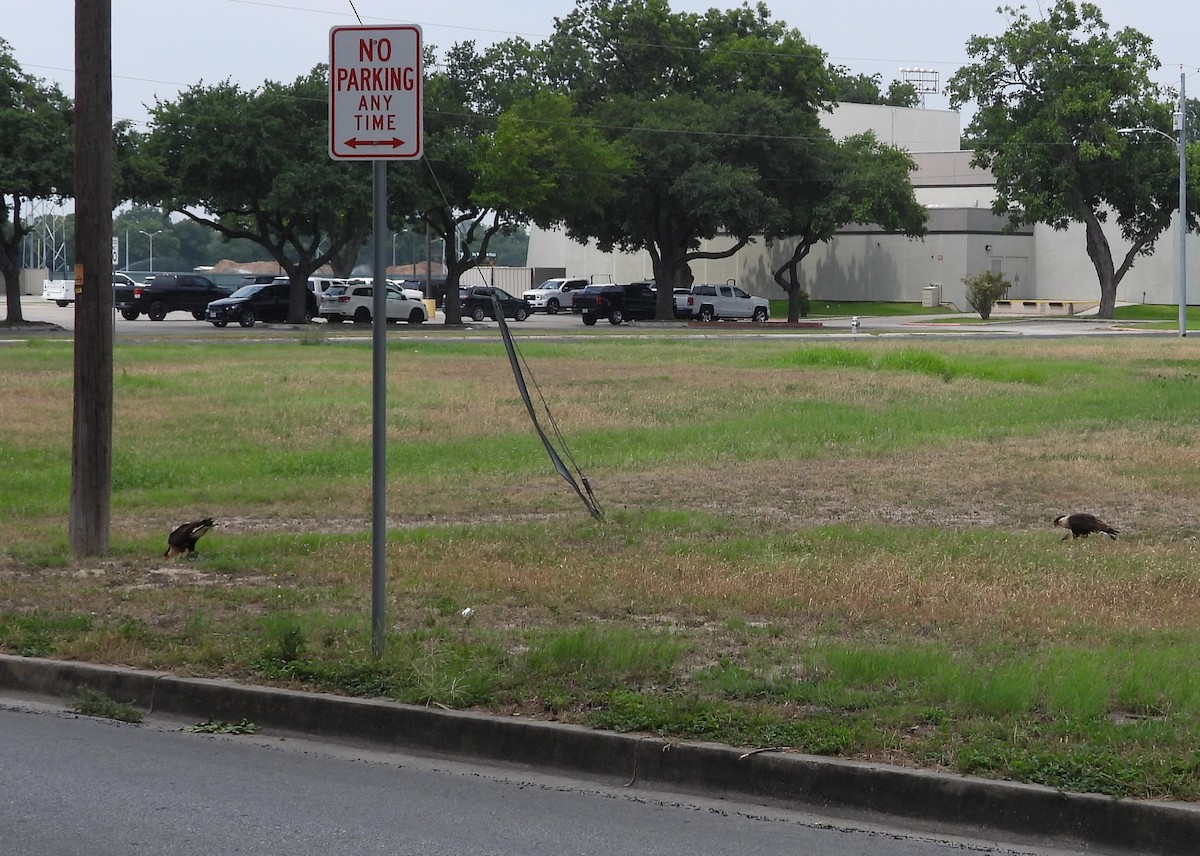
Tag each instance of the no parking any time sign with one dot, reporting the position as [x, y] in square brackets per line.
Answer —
[375, 97]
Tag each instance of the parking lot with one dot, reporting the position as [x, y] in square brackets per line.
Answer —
[45, 311]
[182, 324]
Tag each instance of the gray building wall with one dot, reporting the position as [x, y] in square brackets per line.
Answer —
[964, 238]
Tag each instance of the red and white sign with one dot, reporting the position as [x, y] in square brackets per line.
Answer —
[375, 89]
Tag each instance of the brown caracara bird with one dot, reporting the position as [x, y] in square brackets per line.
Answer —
[1083, 525]
[182, 539]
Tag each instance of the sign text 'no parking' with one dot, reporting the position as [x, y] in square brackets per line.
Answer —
[375, 92]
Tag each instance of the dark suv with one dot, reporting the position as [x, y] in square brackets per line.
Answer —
[169, 292]
[475, 301]
[259, 302]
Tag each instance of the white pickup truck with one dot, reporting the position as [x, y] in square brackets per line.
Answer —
[710, 302]
[554, 294]
[62, 291]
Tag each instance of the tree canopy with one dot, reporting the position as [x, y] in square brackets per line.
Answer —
[861, 181]
[1052, 94]
[868, 89]
[716, 110]
[254, 164]
[37, 141]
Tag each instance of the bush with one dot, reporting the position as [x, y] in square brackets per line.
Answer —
[984, 289]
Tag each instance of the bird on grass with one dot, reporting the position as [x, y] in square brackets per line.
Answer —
[183, 538]
[1083, 525]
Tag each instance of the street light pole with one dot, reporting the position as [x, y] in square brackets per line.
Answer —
[1181, 142]
[1181, 129]
[151, 235]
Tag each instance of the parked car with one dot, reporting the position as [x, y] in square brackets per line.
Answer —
[260, 302]
[710, 302]
[476, 303]
[407, 287]
[637, 301]
[554, 294]
[354, 301]
[169, 292]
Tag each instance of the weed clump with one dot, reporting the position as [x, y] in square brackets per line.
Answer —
[984, 289]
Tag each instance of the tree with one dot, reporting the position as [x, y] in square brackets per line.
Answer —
[500, 152]
[715, 109]
[863, 181]
[36, 138]
[460, 110]
[254, 165]
[1052, 95]
[864, 89]
[543, 165]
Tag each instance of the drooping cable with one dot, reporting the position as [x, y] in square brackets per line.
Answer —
[582, 487]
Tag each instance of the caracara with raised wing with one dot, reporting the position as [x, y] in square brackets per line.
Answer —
[182, 540]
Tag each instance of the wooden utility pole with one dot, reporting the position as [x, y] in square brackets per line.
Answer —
[91, 440]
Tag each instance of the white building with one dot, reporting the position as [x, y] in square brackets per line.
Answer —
[964, 237]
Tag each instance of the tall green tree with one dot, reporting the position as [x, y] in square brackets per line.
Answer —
[861, 181]
[502, 149]
[254, 165]
[543, 164]
[712, 107]
[1051, 95]
[36, 160]
[439, 193]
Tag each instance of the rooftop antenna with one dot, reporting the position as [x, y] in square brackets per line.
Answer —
[924, 80]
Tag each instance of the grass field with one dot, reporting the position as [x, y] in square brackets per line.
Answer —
[838, 548]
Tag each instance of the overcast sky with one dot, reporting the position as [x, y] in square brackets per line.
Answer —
[162, 46]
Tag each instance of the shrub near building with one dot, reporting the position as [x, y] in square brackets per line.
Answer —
[984, 289]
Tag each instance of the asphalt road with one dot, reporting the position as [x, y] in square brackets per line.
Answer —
[77, 785]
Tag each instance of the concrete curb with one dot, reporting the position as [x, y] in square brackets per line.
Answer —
[1028, 812]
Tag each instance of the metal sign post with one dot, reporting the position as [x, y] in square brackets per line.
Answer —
[375, 110]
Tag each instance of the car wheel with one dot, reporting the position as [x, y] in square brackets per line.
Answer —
[760, 315]
[246, 319]
[362, 316]
[63, 302]
[157, 311]
[416, 317]
[552, 307]
[589, 320]
[477, 313]
[705, 314]
[199, 316]
[129, 314]
[520, 314]
[219, 323]
[615, 316]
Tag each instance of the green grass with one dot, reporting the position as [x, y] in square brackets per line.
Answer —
[863, 308]
[89, 702]
[841, 549]
[1157, 316]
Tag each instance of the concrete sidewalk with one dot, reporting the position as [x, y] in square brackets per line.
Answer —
[1025, 813]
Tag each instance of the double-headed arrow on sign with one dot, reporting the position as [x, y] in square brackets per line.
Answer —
[355, 142]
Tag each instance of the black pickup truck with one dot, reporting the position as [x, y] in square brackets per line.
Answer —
[169, 292]
[634, 302]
